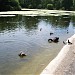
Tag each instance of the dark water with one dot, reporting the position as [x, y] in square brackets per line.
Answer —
[22, 33]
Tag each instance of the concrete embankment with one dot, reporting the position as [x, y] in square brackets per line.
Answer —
[60, 65]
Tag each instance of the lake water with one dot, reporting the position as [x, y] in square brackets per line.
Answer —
[22, 33]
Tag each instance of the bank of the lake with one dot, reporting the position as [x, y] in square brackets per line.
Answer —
[40, 12]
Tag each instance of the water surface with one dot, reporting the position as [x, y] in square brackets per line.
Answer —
[22, 33]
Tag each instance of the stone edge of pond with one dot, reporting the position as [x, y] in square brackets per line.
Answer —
[59, 65]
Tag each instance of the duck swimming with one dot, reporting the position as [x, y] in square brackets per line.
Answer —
[64, 42]
[40, 29]
[51, 33]
[55, 40]
[67, 32]
[22, 54]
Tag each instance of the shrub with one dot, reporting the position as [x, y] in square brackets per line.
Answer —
[50, 6]
[7, 5]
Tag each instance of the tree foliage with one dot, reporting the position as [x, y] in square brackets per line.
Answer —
[50, 4]
[9, 5]
[41, 4]
[67, 4]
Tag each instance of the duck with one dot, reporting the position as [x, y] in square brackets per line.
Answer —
[40, 29]
[67, 32]
[69, 42]
[56, 39]
[64, 42]
[22, 54]
[51, 33]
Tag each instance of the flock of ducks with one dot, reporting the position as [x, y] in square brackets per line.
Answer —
[55, 40]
